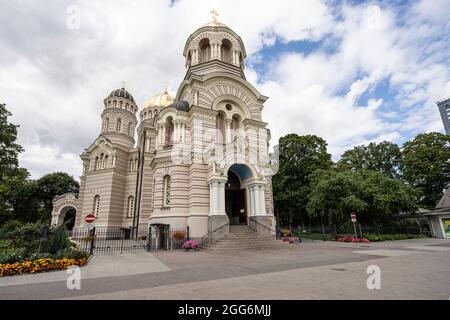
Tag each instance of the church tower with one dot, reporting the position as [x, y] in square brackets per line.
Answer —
[119, 117]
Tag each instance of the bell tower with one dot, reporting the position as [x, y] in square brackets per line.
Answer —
[214, 47]
[119, 117]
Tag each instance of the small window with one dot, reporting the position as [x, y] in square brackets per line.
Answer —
[228, 107]
[96, 209]
[119, 125]
[166, 191]
[130, 206]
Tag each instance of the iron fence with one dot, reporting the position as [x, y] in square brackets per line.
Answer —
[164, 238]
[331, 231]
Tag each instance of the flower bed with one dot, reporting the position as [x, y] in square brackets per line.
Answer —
[39, 265]
[352, 239]
[290, 239]
[190, 245]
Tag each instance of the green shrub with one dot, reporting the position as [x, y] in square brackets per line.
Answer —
[8, 227]
[58, 241]
[374, 237]
[16, 255]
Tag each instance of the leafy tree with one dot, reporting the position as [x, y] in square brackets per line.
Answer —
[383, 157]
[9, 149]
[299, 157]
[374, 196]
[426, 165]
[51, 185]
[18, 197]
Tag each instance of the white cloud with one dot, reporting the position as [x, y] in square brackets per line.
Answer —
[54, 79]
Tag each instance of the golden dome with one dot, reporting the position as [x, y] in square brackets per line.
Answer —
[159, 100]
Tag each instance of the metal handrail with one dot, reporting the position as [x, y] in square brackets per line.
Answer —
[211, 233]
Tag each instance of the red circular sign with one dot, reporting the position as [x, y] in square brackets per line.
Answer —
[89, 218]
[353, 215]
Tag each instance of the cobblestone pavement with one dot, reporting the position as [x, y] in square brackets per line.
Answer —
[410, 269]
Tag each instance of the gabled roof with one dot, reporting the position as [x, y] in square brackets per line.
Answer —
[444, 203]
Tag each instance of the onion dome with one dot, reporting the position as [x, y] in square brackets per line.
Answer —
[159, 100]
[121, 93]
[180, 105]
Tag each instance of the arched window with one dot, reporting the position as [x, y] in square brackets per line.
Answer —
[226, 51]
[118, 125]
[205, 50]
[220, 127]
[166, 191]
[130, 206]
[149, 114]
[114, 103]
[96, 164]
[127, 106]
[235, 126]
[105, 162]
[130, 129]
[169, 131]
[96, 207]
[106, 125]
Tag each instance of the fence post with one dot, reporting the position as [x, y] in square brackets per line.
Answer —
[187, 233]
[44, 238]
[92, 233]
[121, 242]
[149, 239]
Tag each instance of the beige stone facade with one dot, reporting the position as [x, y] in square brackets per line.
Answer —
[200, 158]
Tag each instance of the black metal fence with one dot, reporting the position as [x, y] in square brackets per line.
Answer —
[330, 232]
[119, 239]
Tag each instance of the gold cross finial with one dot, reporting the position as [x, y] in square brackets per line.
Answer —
[123, 84]
[215, 14]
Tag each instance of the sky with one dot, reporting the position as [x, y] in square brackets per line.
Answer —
[351, 72]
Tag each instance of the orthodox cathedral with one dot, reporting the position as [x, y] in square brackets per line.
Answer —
[199, 159]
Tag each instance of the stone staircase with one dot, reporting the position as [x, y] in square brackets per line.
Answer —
[242, 238]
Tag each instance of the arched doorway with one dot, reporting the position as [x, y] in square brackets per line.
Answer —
[67, 216]
[235, 195]
[64, 210]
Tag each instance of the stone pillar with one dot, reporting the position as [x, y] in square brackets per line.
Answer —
[218, 222]
[262, 202]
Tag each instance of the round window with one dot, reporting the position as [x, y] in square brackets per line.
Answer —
[228, 107]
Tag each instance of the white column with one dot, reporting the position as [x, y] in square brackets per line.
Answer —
[221, 191]
[252, 201]
[175, 131]
[211, 200]
[262, 201]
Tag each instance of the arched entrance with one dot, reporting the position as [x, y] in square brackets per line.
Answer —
[64, 210]
[235, 194]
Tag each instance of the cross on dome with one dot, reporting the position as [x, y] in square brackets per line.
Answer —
[215, 14]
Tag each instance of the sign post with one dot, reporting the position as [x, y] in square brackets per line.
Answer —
[353, 216]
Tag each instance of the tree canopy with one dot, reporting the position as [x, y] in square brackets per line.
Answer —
[299, 157]
[9, 149]
[426, 165]
[383, 157]
[374, 196]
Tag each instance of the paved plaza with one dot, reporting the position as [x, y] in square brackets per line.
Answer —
[410, 269]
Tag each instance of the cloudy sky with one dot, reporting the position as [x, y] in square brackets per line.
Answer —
[351, 72]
